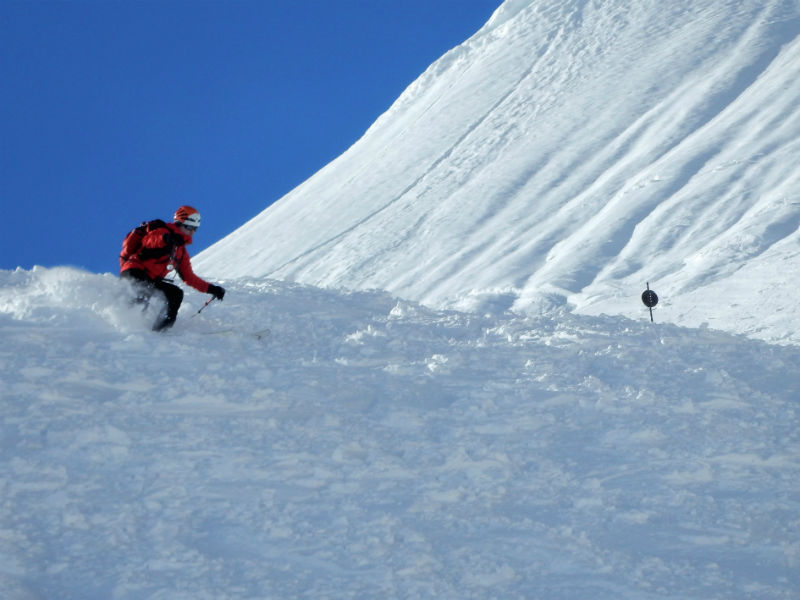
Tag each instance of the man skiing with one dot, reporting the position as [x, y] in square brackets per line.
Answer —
[146, 260]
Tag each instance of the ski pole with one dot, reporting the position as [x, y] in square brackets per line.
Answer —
[209, 301]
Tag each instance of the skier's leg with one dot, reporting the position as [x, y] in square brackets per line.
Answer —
[141, 285]
[174, 296]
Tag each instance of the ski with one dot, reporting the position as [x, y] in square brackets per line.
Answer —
[259, 334]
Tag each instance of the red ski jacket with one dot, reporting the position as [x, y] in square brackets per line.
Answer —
[156, 258]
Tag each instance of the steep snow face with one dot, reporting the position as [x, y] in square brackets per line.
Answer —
[566, 154]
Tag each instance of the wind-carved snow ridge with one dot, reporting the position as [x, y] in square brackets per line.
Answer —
[373, 447]
[565, 155]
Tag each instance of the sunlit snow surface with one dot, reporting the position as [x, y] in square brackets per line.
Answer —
[373, 448]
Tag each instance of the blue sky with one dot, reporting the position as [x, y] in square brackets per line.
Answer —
[113, 112]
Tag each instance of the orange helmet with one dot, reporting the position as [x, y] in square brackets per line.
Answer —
[188, 216]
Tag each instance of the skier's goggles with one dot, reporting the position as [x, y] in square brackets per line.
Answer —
[191, 228]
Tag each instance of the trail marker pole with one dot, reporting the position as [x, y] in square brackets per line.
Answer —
[650, 299]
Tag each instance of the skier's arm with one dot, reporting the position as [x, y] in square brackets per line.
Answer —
[184, 267]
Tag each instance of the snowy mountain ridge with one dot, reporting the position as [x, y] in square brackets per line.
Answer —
[567, 154]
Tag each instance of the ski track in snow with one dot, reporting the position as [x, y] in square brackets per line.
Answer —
[374, 448]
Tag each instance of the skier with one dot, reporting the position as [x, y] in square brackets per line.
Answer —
[155, 250]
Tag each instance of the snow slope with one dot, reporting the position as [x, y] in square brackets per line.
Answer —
[425, 441]
[567, 154]
[374, 448]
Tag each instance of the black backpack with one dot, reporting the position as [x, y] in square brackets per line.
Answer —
[132, 243]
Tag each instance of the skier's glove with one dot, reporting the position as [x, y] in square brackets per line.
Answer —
[174, 239]
[216, 291]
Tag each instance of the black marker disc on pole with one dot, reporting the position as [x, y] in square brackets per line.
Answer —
[649, 298]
